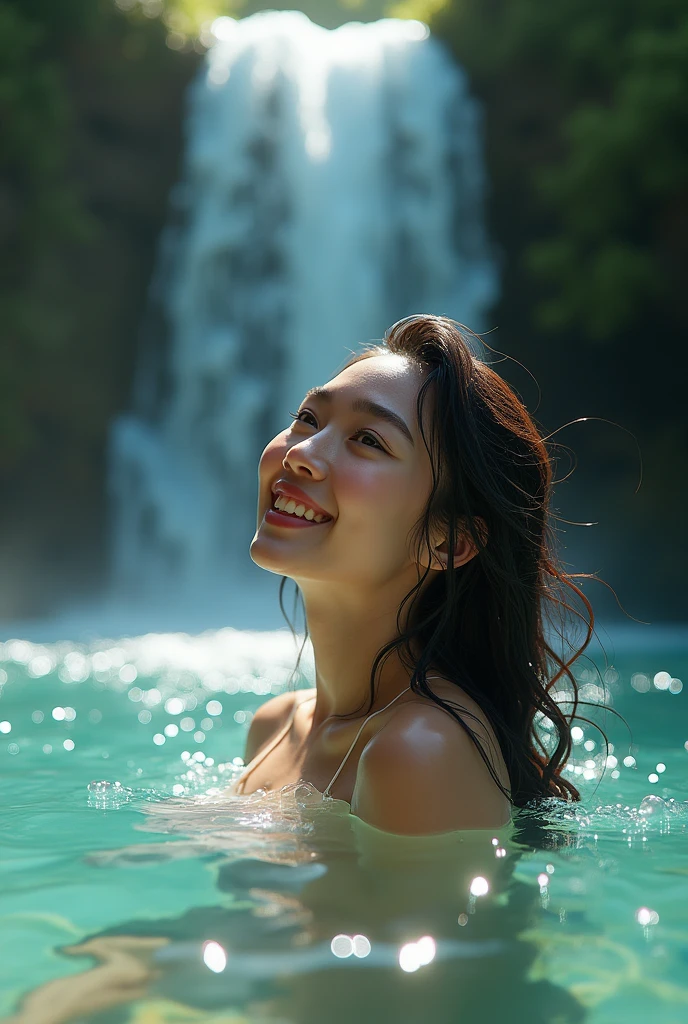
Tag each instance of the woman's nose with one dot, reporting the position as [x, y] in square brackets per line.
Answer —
[300, 459]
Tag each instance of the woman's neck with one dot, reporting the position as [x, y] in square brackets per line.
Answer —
[347, 630]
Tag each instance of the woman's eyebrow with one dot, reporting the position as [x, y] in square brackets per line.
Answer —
[381, 412]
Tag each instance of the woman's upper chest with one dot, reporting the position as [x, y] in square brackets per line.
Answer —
[313, 756]
[317, 757]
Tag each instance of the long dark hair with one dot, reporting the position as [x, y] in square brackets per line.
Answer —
[484, 625]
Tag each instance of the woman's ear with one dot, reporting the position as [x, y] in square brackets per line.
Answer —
[465, 548]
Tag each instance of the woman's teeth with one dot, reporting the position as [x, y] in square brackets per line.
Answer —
[289, 506]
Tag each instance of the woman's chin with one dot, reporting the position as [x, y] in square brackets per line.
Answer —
[265, 557]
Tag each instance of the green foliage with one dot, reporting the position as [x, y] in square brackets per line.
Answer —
[63, 69]
[90, 107]
[610, 89]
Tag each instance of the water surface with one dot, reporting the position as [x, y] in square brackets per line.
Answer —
[115, 835]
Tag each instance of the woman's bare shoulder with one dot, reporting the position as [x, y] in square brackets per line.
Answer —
[270, 716]
[421, 773]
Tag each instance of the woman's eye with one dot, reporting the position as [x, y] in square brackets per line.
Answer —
[365, 433]
[297, 415]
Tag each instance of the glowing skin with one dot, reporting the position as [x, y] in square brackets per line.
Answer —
[354, 570]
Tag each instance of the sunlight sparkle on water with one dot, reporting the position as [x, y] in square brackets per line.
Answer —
[479, 886]
[662, 680]
[417, 954]
[214, 957]
[343, 946]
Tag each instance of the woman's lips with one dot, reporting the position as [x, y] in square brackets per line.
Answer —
[277, 518]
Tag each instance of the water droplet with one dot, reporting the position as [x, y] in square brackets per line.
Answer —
[652, 807]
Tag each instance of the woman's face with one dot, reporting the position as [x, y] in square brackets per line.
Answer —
[367, 469]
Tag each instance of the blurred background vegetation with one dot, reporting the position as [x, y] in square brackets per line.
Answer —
[585, 119]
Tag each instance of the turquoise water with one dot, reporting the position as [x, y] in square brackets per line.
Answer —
[114, 835]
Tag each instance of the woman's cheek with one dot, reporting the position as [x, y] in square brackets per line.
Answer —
[376, 503]
[272, 457]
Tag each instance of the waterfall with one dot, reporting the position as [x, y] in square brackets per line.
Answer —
[332, 184]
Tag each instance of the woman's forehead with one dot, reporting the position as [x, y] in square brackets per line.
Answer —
[392, 377]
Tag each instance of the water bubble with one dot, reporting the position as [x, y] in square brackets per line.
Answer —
[652, 807]
[662, 680]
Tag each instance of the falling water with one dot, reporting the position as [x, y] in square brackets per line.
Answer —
[332, 184]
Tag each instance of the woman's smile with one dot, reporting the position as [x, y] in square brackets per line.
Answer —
[280, 517]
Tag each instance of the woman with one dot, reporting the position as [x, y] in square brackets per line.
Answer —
[409, 502]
